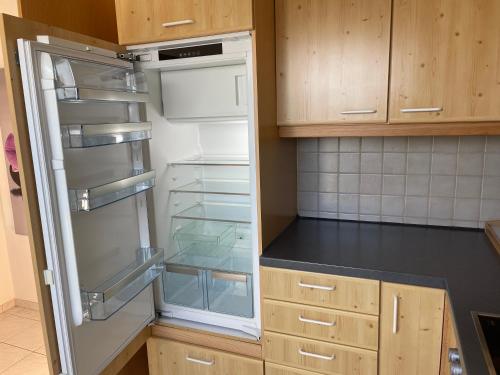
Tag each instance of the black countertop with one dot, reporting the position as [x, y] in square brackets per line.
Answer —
[461, 261]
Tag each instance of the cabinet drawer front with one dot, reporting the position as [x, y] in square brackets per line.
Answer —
[330, 359]
[274, 369]
[344, 293]
[323, 324]
[170, 357]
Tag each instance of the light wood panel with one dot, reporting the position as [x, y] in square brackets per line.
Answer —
[276, 157]
[338, 359]
[491, 228]
[346, 293]
[332, 60]
[171, 357]
[144, 21]
[211, 340]
[390, 130]
[411, 331]
[450, 340]
[118, 365]
[96, 18]
[275, 369]
[12, 28]
[334, 326]
[445, 54]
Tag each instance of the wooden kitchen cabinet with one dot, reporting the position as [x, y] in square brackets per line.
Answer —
[172, 357]
[445, 63]
[159, 20]
[332, 61]
[411, 323]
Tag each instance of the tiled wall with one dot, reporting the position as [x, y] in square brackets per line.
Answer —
[451, 181]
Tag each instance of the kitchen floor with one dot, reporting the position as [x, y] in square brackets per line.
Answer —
[22, 351]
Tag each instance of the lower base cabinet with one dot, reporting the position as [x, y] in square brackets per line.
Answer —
[168, 357]
[411, 330]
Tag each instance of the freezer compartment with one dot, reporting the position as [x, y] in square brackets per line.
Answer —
[230, 293]
[109, 297]
[88, 199]
[92, 75]
[91, 135]
[184, 286]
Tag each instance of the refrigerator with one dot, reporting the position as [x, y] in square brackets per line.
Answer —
[146, 173]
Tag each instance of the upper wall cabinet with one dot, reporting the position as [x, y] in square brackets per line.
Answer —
[142, 21]
[332, 61]
[445, 61]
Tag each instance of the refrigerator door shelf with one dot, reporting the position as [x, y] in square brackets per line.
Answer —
[108, 298]
[91, 135]
[86, 74]
[88, 199]
[73, 94]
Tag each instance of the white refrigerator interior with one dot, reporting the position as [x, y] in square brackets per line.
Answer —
[146, 176]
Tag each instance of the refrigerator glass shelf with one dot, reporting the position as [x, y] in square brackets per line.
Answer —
[88, 199]
[230, 213]
[214, 161]
[90, 135]
[113, 294]
[224, 187]
[214, 258]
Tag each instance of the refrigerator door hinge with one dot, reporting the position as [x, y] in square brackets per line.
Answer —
[48, 276]
[128, 56]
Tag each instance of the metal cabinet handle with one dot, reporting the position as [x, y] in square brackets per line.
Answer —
[200, 362]
[419, 110]
[314, 355]
[395, 313]
[359, 112]
[312, 286]
[177, 23]
[318, 322]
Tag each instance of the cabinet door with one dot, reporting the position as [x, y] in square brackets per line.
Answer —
[445, 61]
[411, 323]
[158, 20]
[332, 60]
[171, 357]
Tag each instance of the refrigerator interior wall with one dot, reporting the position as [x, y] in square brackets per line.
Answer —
[204, 198]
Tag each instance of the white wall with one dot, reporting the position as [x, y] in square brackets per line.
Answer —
[15, 256]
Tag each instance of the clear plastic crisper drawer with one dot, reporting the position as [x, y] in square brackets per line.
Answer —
[84, 74]
[230, 293]
[184, 286]
[210, 233]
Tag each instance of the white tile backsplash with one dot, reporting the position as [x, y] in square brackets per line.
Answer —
[451, 181]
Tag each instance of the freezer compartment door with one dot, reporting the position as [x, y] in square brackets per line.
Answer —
[205, 94]
[87, 131]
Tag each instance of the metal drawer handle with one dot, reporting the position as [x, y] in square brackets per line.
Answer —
[177, 23]
[200, 362]
[320, 287]
[318, 322]
[395, 313]
[314, 355]
[359, 112]
[418, 110]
